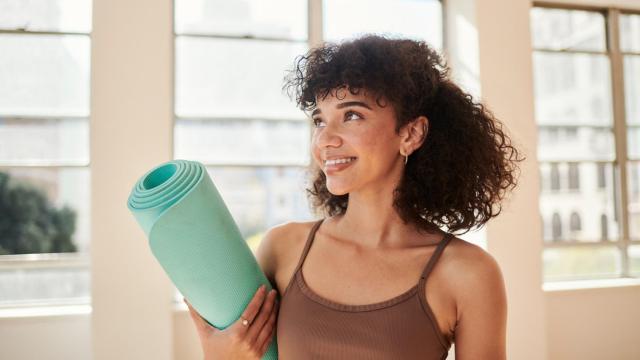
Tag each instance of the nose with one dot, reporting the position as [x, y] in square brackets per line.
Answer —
[327, 136]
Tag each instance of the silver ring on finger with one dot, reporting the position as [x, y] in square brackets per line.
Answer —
[245, 322]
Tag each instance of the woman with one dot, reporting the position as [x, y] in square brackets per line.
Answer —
[399, 152]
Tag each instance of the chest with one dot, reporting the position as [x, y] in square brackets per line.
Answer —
[308, 330]
[344, 276]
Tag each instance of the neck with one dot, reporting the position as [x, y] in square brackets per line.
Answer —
[372, 223]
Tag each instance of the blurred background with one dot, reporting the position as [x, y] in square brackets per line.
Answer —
[93, 94]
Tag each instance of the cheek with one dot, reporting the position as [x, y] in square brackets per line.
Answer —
[366, 139]
[373, 142]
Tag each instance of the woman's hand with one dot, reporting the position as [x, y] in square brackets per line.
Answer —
[240, 341]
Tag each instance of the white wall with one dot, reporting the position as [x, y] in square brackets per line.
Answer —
[51, 333]
[131, 131]
[594, 323]
[513, 238]
[132, 314]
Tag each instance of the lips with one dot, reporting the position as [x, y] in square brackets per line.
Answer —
[334, 157]
[340, 158]
[332, 168]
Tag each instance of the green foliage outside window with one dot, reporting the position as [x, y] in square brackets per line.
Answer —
[30, 224]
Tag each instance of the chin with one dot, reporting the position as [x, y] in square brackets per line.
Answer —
[337, 191]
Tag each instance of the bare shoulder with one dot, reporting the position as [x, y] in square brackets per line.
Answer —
[470, 267]
[279, 246]
[468, 255]
[477, 287]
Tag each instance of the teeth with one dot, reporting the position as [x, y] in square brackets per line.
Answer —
[338, 161]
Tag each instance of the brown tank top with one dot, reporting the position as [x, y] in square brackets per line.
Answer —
[403, 327]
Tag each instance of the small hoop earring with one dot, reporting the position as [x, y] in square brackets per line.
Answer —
[406, 157]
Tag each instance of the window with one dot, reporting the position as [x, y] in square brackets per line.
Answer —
[416, 19]
[556, 227]
[604, 228]
[44, 157]
[230, 112]
[594, 55]
[602, 175]
[574, 177]
[630, 52]
[575, 224]
[555, 177]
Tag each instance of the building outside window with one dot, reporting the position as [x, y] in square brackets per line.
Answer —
[588, 129]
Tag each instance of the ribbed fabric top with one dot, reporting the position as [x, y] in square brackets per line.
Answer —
[403, 327]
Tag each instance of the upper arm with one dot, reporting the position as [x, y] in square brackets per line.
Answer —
[268, 250]
[482, 310]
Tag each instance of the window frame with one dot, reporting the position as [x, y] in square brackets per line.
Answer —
[315, 36]
[82, 260]
[74, 260]
[619, 128]
[209, 118]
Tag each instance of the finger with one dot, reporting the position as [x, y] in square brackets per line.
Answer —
[269, 339]
[251, 310]
[267, 330]
[261, 319]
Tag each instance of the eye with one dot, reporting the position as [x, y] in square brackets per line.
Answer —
[315, 121]
[349, 114]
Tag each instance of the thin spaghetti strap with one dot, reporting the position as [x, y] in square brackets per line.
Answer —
[307, 245]
[436, 254]
[422, 287]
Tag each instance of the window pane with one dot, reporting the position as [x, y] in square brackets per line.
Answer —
[58, 198]
[633, 182]
[263, 141]
[565, 143]
[32, 282]
[418, 19]
[634, 259]
[580, 263]
[44, 75]
[44, 141]
[633, 142]
[572, 89]
[630, 32]
[282, 18]
[589, 196]
[561, 29]
[261, 197]
[46, 15]
[632, 88]
[221, 77]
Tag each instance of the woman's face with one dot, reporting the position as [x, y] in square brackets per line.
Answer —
[354, 126]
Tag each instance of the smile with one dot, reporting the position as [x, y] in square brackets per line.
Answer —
[338, 164]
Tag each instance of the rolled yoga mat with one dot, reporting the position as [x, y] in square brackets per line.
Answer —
[196, 241]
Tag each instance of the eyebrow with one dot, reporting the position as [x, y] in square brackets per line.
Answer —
[346, 104]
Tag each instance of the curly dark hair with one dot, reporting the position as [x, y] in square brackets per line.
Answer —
[461, 172]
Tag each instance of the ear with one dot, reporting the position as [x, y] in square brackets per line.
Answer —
[413, 134]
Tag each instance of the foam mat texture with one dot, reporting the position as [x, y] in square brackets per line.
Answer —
[196, 241]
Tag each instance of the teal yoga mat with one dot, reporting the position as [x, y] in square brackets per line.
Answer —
[196, 241]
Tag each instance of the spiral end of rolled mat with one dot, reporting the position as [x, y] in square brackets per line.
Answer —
[196, 241]
[161, 187]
